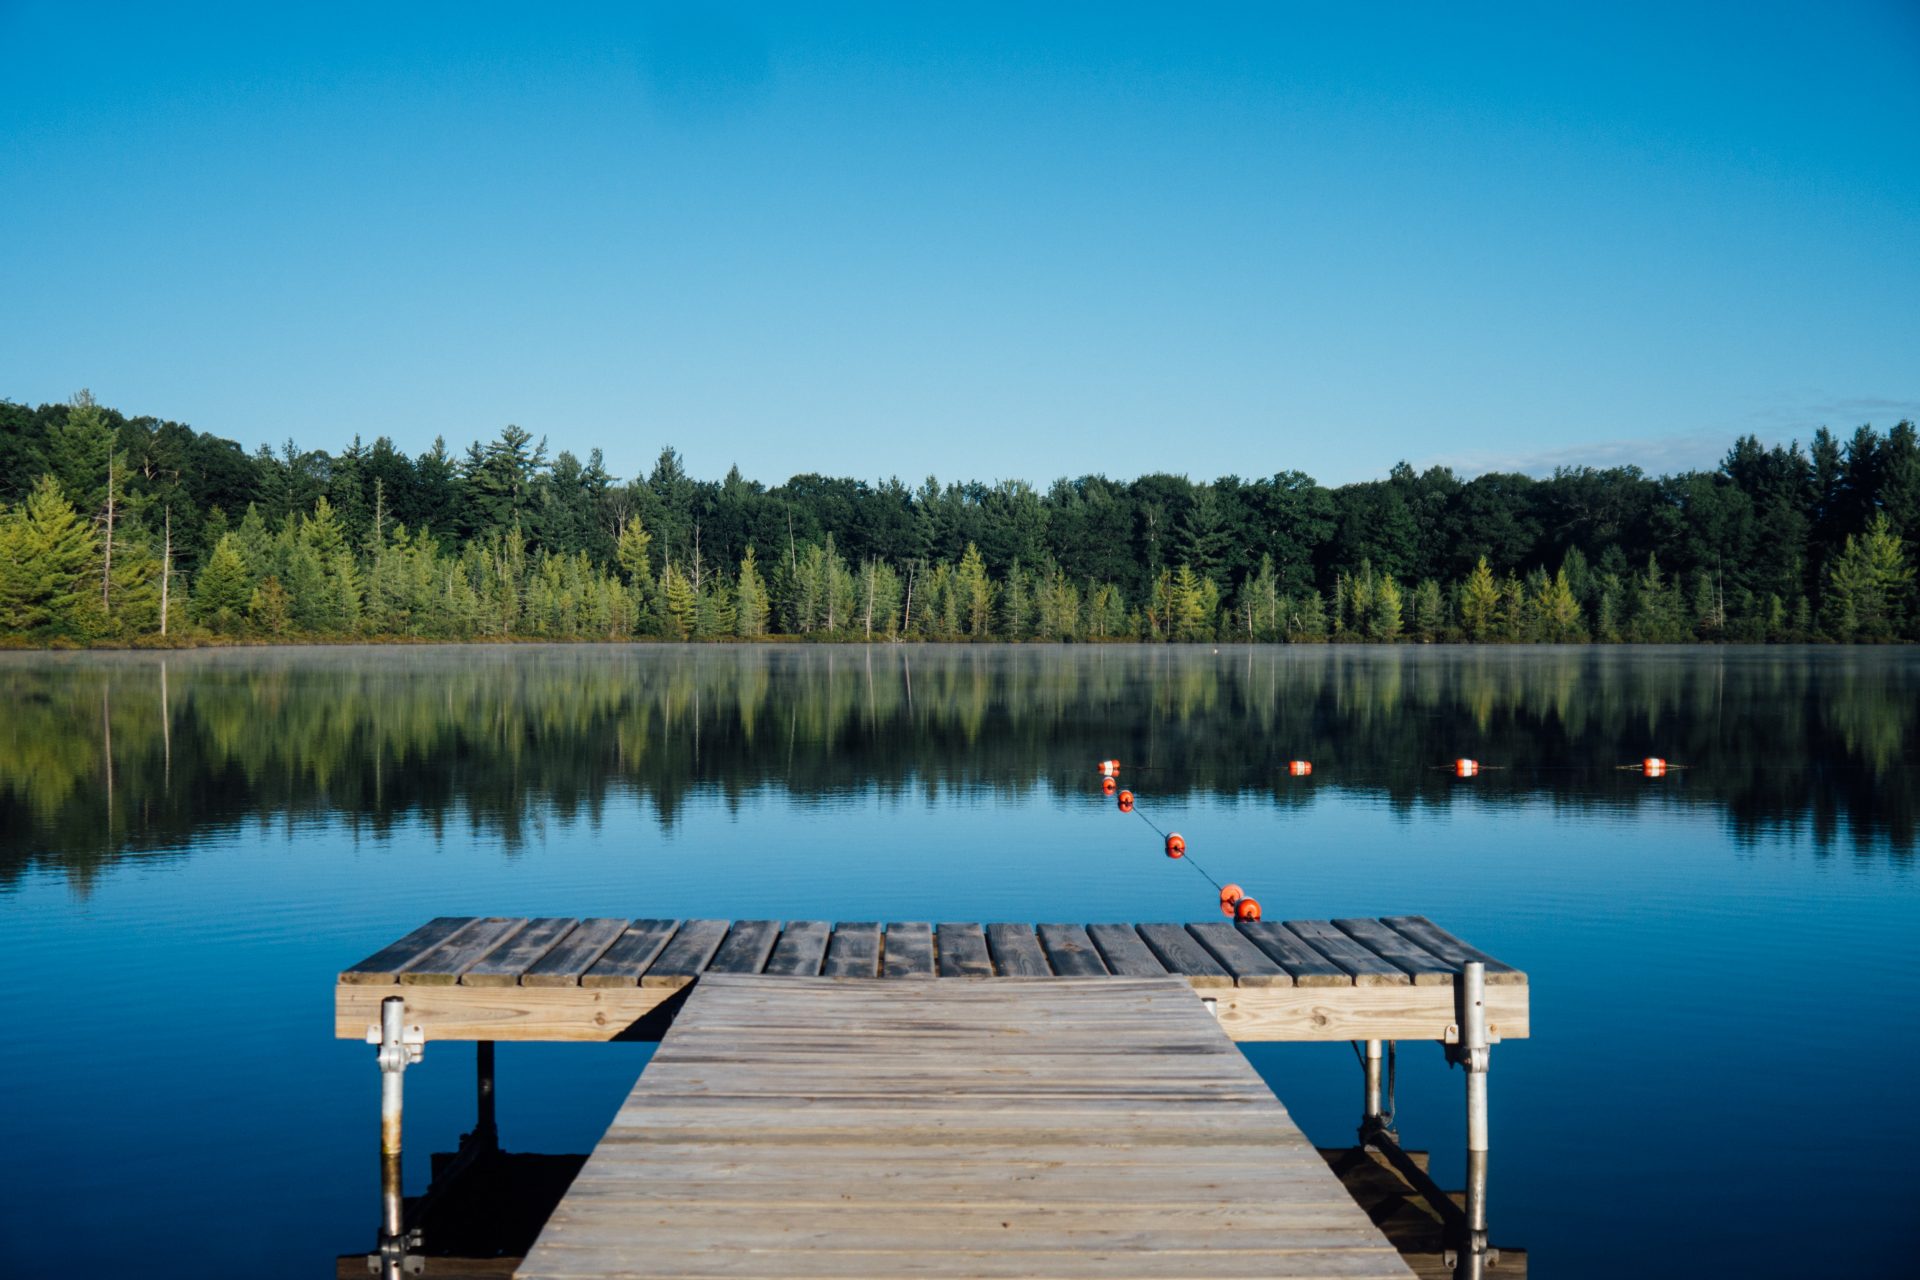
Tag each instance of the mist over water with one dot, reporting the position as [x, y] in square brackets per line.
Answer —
[191, 845]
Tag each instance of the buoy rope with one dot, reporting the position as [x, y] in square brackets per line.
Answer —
[1186, 856]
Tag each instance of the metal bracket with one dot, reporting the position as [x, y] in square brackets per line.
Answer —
[1212, 1006]
[1452, 1034]
[1450, 1258]
[396, 1257]
[403, 1052]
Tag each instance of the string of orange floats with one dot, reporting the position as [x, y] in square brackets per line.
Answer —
[1235, 904]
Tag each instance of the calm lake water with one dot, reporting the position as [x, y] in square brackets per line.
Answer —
[1725, 991]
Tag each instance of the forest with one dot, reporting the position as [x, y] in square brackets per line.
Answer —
[124, 530]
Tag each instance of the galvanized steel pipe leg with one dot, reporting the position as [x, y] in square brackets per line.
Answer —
[1475, 1053]
[399, 1045]
[1373, 1120]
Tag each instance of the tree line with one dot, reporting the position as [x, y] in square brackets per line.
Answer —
[119, 529]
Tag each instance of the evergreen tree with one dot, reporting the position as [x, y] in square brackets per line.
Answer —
[222, 591]
[47, 587]
[752, 607]
[1480, 603]
[1869, 585]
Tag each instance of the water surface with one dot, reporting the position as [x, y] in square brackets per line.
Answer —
[192, 845]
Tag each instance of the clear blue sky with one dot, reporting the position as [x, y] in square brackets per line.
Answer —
[976, 242]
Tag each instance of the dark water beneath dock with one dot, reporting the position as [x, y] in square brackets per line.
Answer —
[1725, 992]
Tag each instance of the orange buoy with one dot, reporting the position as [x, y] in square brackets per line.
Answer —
[1232, 893]
[1654, 767]
[1110, 768]
[1226, 909]
[1465, 768]
[1126, 802]
[1299, 768]
[1176, 845]
[1107, 786]
[1246, 909]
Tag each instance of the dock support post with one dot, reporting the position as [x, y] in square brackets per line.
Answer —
[1474, 1054]
[399, 1045]
[1373, 1118]
[486, 1132]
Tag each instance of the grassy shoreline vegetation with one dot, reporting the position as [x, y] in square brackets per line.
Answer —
[132, 531]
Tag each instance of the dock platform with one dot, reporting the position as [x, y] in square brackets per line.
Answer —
[828, 1127]
[951, 1100]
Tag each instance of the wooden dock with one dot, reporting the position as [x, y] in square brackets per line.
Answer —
[500, 978]
[821, 1127]
[952, 1100]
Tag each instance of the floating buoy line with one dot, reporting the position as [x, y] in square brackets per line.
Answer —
[1235, 903]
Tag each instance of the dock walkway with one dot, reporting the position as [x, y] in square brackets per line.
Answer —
[821, 1127]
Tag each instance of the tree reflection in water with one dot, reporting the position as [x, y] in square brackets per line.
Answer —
[104, 757]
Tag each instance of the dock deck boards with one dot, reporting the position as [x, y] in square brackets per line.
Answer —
[501, 978]
[819, 1127]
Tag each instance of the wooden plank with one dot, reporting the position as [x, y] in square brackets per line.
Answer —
[1016, 951]
[748, 944]
[1425, 968]
[575, 954]
[1249, 965]
[385, 965]
[1423, 932]
[853, 951]
[962, 950]
[686, 956]
[1252, 1014]
[1125, 954]
[503, 966]
[1307, 967]
[1176, 949]
[802, 946]
[908, 950]
[462, 949]
[1071, 951]
[631, 953]
[1368, 969]
[809, 1127]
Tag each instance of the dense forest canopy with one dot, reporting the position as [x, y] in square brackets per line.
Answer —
[125, 529]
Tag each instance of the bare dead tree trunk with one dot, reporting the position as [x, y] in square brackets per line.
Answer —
[166, 571]
[106, 576]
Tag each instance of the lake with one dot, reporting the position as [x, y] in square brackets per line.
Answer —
[192, 845]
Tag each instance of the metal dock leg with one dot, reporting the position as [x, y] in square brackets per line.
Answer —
[486, 1132]
[1374, 1121]
[399, 1045]
[1474, 1053]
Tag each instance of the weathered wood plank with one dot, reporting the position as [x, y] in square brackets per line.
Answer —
[748, 944]
[1016, 951]
[853, 951]
[1177, 950]
[1124, 952]
[384, 966]
[1425, 968]
[1368, 969]
[1249, 965]
[1071, 951]
[954, 1131]
[908, 950]
[503, 966]
[802, 946]
[462, 949]
[574, 954]
[1307, 967]
[962, 949]
[628, 958]
[1425, 933]
[686, 956]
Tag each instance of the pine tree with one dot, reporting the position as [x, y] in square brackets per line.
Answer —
[678, 600]
[1429, 611]
[975, 592]
[1480, 603]
[1868, 585]
[222, 590]
[46, 562]
[751, 607]
[1384, 618]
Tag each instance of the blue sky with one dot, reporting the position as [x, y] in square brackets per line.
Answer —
[970, 241]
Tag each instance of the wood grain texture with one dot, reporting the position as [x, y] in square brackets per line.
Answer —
[1249, 965]
[1423, 932]
[685, 957]
[631, 953]
[802, 946]
[907, 950]
[574, 954]
[853, 951]
[749, 943]
[502, 966]
[1017, 952]
[385, 965]
[442, 966]
[1070, 951]
[1425, 968]
[1182, 954]
[1368, 969]
[954, 1130]
[962, 951]
[1307, 967]
[1125, 954]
